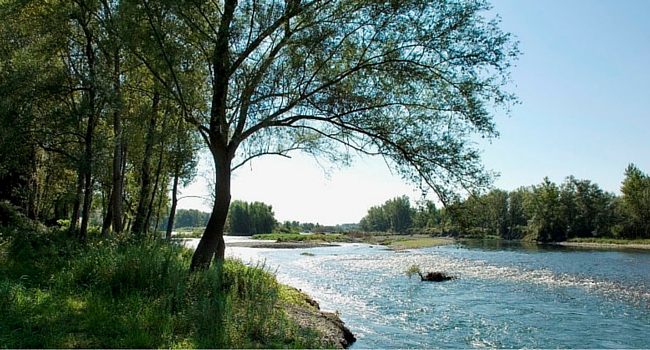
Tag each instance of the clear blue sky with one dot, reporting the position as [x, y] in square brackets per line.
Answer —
[584, 83]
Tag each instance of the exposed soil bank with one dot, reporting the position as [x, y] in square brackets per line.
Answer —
[329, 325]
[307, 314]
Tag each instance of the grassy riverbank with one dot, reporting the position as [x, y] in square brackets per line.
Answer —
[296, 237]
[606, 243]
[395, 242]
[610, 241]
[419, 242]
[400, 242]
[55, 293]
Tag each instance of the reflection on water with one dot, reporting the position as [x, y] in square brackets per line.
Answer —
[508, 295]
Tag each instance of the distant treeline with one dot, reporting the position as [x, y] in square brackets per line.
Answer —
[187, 218]
[247, 219]
[543, 212]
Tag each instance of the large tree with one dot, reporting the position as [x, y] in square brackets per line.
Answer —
[636, 203]
[546, 221]
[247, 219]
[395, 215]
[411, 80]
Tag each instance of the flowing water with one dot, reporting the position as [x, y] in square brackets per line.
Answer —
[507, 295]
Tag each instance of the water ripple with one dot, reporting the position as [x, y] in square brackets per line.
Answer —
[504, 299]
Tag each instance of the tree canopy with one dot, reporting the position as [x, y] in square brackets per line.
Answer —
[545, 212]
[413, 81]
[247, 219]
[395, 215]
[409, 80]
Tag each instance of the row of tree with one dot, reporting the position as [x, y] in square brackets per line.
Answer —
[543, 212]
[395, 215]
[247, 219]
[186, 218]
[87, 130]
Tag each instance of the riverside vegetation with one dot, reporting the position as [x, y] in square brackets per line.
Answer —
[547, 212]
[104, 105]
[126, 293]
[576, 211]
[395, 242]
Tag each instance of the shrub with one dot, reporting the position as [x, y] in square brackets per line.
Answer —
[10, 215]
[414, 270]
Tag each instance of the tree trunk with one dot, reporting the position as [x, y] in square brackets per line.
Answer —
[117, 152]
[76, 207]
[212, 243]
[88, 198]
[93, 117]
[156, 186]
[152, 198]
[108, 217]
[140, 223]
[117, 172]
[172, 211]
[159, 207]
[86, 165]
[32, 197]
[123, 202]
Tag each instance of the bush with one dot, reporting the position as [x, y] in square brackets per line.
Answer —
[10, 216]
[414, 270]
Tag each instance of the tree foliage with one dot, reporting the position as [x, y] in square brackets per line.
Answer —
[103, 105]
[187, 218]
[635, 203]
[395, 215]
[84, 122]
[545, 212]
[247, 219]
[312, 75]
[99, 83]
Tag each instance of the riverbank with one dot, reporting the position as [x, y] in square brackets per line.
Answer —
[281, 245]
[295, 241]
[55, 293]
[306, 312]
[400, 243]
[604, 245]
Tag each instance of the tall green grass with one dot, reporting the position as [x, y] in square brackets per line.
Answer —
[55, 293]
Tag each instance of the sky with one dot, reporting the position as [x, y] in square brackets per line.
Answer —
[583, 81]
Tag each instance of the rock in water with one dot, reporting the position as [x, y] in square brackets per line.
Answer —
[436, 277]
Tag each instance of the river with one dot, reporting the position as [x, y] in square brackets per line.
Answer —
[507, 295]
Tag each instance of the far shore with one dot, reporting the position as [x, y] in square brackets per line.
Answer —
[394, 242]
[603, 245]
[281, 245]
[401, 243]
